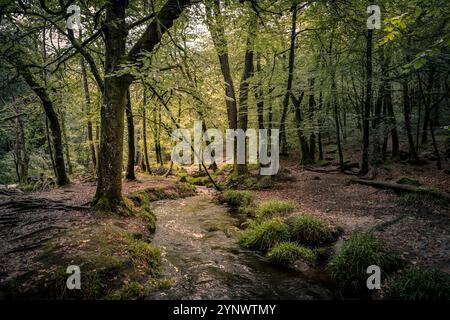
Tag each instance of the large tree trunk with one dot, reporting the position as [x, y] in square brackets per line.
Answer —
[216, 28]
[367, 105]
[283, 139]
[109, 186]
[131, 147]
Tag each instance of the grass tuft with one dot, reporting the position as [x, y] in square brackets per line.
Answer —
[288, 252]
[418, 284]
[361, 250]
[265, 235]
[237, 199]
[423, 197]
[274, 207]
[311, 231]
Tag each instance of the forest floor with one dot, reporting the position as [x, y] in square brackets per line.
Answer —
[421, 233]
[59, 224]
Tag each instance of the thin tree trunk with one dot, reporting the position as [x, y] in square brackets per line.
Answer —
[367, 105]
[66, 143]
[283, 139]
[244, 87]
[312, 137]
[144, 132]
[87, 98]
[406, 114]
[336, 120]
[259, 93]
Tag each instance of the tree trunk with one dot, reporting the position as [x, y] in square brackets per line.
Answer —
[283, 139]
[367, 105]
[312, 137]
[21, 151]
[109, 186]
[131, 147]
[55, 128]
[144, 133]
[66, 143]
[336, 120]
[87, 98]
[244, 86]
[406, 112]
[259, 93]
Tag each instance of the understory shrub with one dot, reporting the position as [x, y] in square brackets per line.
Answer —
[288, 252]
[359, 252]
[265, 235]
[417, 284]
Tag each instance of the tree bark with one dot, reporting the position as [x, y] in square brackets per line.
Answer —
[283, 139]
[55, 128]
[406, 114]
[367, 105]
[131, 146]
[144, 132]
[87, 99]
[244, 86]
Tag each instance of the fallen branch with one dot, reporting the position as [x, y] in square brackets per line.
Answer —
[395, 186]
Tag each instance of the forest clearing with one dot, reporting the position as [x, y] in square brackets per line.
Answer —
[225, 150]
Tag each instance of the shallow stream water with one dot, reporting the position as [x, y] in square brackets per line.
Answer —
[198, 239]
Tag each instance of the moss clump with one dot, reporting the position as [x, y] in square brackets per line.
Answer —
[288, 252]
[149, 217]
[134, 290]
[274, 207]
[418, 284]
[237, 199]
[361, 250]
[145, 255]
[265, 235]
[311, 231]
[423, 197]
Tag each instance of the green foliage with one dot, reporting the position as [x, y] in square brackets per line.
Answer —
[423, 197]
[360, 251]
[417, 284]
[288, 252]
[274, 207]
[130, 291]
[265, 235]
[311, 231]
[236, 198]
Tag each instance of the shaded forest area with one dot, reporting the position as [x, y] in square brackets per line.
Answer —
[91, 92]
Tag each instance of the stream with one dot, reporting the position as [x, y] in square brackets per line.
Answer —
[198, 239]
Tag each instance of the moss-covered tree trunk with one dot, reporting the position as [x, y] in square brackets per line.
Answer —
[109, 185]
